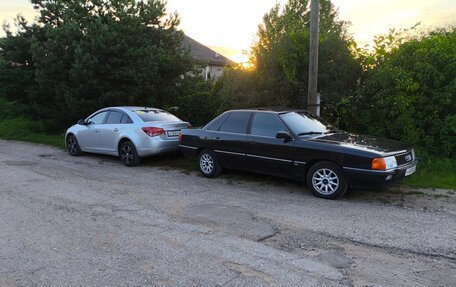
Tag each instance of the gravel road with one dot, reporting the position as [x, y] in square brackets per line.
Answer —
[90, 221]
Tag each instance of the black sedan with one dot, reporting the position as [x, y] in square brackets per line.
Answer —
[293, 144]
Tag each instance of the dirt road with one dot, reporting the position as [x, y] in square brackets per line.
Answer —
[90, 221]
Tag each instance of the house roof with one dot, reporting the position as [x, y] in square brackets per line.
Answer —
[205, 54]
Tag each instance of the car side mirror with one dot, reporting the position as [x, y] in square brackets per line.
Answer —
[82, 122]
[284, 135]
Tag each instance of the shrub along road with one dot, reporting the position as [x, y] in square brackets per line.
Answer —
[92, 221]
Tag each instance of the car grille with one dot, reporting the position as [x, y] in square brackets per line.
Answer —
[405, 158]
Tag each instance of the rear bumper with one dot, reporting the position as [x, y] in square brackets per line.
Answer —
[376, 178]
[154, 146]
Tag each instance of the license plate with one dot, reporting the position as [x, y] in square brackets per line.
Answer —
[173, 133]
[410, 171]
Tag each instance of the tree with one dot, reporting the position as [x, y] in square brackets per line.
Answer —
[280, 56]
[410, 95]
[83, 55]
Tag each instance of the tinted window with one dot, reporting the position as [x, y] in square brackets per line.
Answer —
[301, 123]
[266, 125]
[236, 122]
[98, 119]
[114, 118]
[126, 120]
[215, 124]
[156, 116]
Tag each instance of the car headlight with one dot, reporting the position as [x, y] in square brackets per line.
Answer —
[384, 163]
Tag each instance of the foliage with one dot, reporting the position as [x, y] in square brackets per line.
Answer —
[435, 172]
[30, 131]
[281, 54]
[411, 95]
[83, 55]
[239, 88]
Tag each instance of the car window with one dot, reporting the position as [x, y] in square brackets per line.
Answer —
[156, 116]
[266, 125]
[114, 118]
[215, 124]
[98, 119]
[301, 123]
[236, 122]
[126, 119]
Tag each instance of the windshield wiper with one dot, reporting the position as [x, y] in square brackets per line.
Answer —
[310, 133]
[319, 133]
[332, 132]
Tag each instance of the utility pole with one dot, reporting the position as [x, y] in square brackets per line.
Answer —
[313, 99]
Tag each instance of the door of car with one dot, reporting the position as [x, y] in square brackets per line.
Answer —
[116, 122]
[265, 152]
[229, 142]
[89, 138]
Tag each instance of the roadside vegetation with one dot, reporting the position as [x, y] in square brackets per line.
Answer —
[82, 55]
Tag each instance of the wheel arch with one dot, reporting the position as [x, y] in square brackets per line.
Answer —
[313, 162]
[121, 141]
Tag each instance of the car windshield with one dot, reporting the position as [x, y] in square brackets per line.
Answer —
[302, 124]
[156, 116]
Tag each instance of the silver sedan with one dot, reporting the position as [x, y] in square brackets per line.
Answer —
[127, 132]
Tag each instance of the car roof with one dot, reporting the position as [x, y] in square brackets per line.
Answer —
[132, 108]
[270, 110]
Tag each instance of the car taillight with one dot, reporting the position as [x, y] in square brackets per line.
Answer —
[152, 131]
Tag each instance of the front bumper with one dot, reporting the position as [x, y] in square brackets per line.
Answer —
[376, 178]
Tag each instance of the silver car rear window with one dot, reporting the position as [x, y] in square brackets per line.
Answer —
[156, 116]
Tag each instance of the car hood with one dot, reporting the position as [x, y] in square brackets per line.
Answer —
[362, 142]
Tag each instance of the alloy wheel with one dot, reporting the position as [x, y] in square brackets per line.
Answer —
[206, 163]
[325, 181]
[72, 146]
[127, 154]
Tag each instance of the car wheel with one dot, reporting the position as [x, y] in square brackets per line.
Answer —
[73, 146]
[208, 164]
[128, 154]
[326, 179]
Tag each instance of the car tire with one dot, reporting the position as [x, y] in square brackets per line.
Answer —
[326, 180]
[208, 164]
[73, 146]
[128, 154]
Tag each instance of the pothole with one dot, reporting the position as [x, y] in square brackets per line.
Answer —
[230, 219]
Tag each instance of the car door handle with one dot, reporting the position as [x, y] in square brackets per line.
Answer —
[217, 138]
[116, 130]
[96, 131]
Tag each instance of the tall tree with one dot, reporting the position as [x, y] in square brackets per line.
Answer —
[281, 53]
[84, 55]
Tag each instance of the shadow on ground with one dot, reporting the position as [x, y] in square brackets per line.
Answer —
[397, 195]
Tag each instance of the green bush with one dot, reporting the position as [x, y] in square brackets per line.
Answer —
[198, 109]
[411, 96]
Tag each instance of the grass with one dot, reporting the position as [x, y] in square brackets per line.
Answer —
[29, 131]
[434, 173]
[431, 172]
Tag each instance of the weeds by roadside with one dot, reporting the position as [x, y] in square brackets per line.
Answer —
[29, 131]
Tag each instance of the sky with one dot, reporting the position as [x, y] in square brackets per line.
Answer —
[230, 26]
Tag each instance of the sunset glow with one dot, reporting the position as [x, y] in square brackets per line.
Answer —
[229, 27]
